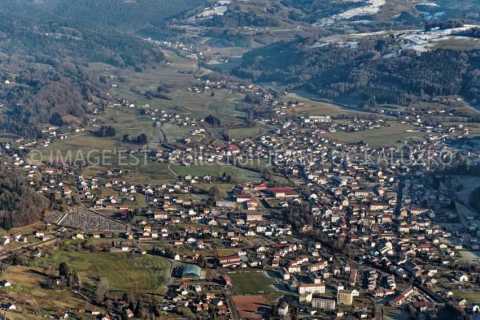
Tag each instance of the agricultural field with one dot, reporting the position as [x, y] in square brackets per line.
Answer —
[176, 76]
[128, 122]
[144, 173]
[396, 133]
[123, 272]
[102, 154]
[174, 132]
[150, 173]
[75, 148]
[85, 145]
[225, 252]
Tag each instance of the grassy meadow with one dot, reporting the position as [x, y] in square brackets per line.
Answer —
[123, 272]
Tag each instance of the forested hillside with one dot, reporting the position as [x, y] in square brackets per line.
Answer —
[124, 15]
[370, 71]
[19, 205]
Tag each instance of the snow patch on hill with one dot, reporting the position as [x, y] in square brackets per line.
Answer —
[372, 7]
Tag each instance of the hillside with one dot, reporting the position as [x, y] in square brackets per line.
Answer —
[124, 15]
[381, 69]
[19, 205]
[46, 47]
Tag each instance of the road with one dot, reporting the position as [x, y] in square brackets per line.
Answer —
[231, 305]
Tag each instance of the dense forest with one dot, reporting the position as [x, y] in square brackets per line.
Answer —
[19, 205]
[370, 71]
[51, 41]
[115, 14]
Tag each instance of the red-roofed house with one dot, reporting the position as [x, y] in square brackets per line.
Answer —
[282, 192]
[233, 149]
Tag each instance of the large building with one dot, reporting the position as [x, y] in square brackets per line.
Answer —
[318, 119]
[345, 297]
[323, 303]
[311, 288]
[230, 261]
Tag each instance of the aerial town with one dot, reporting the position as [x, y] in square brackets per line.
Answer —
[324, 229]
[208, 182]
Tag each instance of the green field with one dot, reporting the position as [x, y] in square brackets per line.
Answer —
[312, 107]
[394, 134]
[75, 148]
[251, 282]
[123, 272]
[217, 170]
[87, 146]
[242, 133]
[174, 132]
[136, 167]
[178, 76]
[127, 121]
[144, 173]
